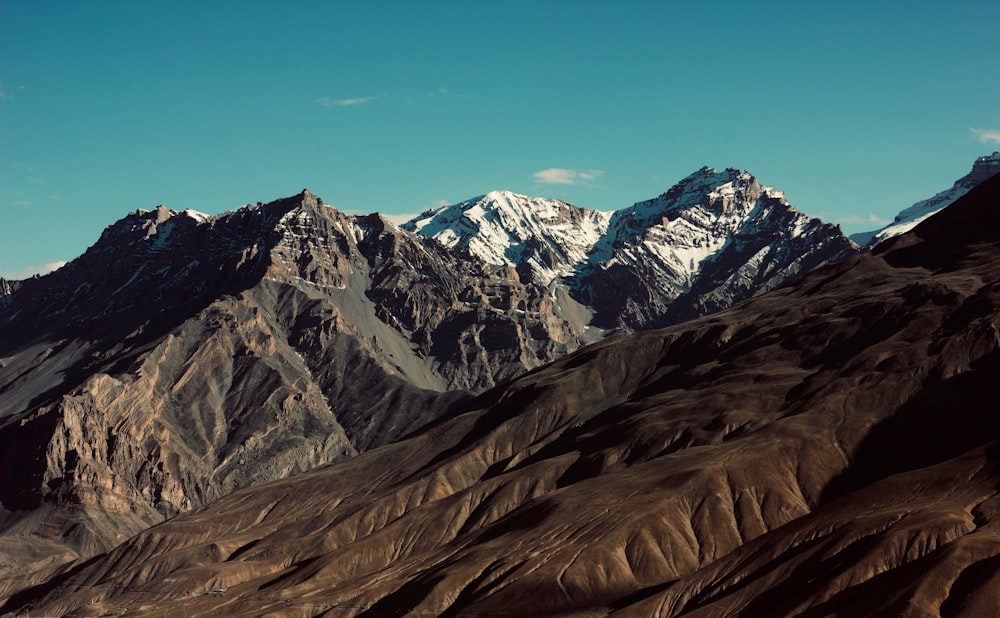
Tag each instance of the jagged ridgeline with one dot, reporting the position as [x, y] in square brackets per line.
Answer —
[184, 356]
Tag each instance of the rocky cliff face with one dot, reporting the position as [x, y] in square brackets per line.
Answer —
[184, 356]
[830, 448]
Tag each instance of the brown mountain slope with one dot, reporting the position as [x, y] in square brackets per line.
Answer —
[827, 449]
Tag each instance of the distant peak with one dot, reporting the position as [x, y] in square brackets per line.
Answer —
[308, 199]
[707, 174]
[502, 193]
[989, 162]
[163, 213]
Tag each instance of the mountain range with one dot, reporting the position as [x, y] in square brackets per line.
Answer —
[828, 448]
[184, 357]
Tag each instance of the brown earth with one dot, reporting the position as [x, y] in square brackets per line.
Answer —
[830, 448]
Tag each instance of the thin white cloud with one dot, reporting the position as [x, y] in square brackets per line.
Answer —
[30, 271]
[564, 176]
[331, 102]
[444, 92]
[987, 135]
[871, 219]
[20, 203]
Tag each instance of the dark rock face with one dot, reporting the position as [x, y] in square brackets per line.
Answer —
[184, 356]
[829, 448]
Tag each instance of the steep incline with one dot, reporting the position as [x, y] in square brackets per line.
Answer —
[829, 448]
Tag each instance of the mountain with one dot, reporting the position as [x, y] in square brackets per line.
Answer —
[712, 240]
[828, 448]
[184, 356]
[984, 167]
[545, 238]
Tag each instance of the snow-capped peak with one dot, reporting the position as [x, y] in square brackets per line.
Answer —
[692, 222]
[501, 227]
[200, 217]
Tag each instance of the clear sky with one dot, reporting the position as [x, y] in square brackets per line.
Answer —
[854, 109]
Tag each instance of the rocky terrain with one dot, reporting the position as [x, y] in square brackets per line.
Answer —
[185, 356]
[828, 448]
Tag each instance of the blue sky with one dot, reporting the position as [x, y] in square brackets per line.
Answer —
[854, 109]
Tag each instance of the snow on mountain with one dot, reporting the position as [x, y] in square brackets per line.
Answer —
[715, 238]
[682, 228]
[550, 236]
[984, 168]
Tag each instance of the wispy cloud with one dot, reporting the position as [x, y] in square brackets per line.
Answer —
[987, 135]
[564, 176]
[444, 92]
[871, 219]
[29, 271]
[331, 102]
[5, 95]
